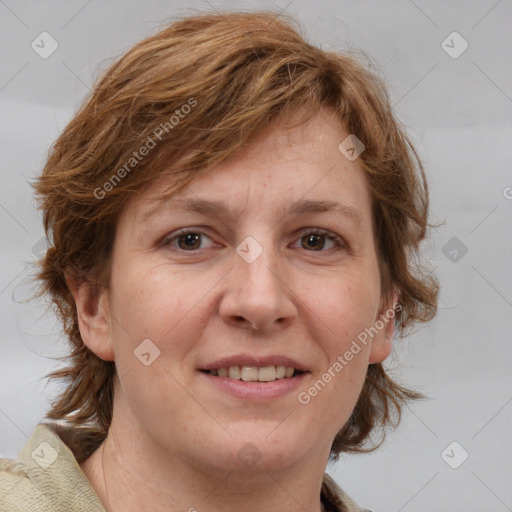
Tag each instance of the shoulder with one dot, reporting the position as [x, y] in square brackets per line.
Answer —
[45, 477]
[336, 499]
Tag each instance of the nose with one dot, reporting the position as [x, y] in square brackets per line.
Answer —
[259, 294]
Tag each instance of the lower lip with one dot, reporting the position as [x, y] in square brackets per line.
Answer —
[256, 390]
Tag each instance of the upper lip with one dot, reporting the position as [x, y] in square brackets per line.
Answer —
[252, 360]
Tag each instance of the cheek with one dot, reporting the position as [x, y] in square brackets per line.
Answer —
[149, 295]
[348, 307]
[154, 328]
[347, 304]
[148, 304]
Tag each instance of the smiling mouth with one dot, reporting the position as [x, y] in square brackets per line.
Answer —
[255, 373]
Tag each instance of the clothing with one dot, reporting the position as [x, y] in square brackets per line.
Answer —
[47, 478]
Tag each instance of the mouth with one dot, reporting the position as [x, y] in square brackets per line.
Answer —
[255, 373]
[255, 377]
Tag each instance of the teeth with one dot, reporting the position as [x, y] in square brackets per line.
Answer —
[254, 373]
[234, 372]
[267, 373]
[249, 373]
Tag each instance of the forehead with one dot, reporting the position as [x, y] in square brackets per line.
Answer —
[300, 169]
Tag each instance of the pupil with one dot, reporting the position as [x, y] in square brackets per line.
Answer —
[190, 240]
[312, 238]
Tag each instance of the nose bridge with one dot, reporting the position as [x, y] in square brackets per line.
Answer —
[256, 290]
[258, 266]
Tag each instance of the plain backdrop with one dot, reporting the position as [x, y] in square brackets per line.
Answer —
[457, 106]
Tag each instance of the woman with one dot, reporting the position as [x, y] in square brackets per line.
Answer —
[233, 217]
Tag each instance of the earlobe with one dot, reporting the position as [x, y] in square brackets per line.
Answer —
[382, 343]
[92, 308]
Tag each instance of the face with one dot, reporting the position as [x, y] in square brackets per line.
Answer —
[280, 271]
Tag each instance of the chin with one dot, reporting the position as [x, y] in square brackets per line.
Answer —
[260, 449]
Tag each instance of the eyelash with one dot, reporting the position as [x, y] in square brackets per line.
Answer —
[341, 245]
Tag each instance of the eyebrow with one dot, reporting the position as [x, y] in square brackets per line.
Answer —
[218, 209]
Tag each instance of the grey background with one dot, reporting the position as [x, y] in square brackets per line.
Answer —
[458, 111]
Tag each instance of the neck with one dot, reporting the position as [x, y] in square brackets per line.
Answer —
[130, 476]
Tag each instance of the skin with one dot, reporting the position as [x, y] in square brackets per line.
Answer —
[174, 438]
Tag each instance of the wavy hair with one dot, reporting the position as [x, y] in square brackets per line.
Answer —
[201, 89]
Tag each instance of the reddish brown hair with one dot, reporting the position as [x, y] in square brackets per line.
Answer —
[237, 72]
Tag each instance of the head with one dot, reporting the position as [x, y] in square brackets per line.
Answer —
[234, 108]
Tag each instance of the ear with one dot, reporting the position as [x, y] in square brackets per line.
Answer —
[385, 326]
[93, 312]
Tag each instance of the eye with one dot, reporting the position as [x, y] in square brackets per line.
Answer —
[185, 239]
[312, 239]
[315, 239]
